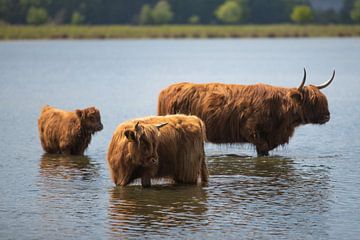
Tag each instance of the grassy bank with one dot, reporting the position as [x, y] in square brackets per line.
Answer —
[177, 31]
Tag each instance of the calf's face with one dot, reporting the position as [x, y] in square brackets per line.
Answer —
[143, 144]
[90, 119]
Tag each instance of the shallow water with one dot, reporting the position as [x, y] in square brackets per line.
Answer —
[308, 189]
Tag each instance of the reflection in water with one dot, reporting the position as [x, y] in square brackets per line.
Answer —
[232, 164]
[268, 196]
[135, 211]
[67, 167]
[246, 197]
[69, 194]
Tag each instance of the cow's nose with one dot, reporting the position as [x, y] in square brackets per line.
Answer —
[327, 117]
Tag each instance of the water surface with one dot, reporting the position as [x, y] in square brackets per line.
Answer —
[308, 189]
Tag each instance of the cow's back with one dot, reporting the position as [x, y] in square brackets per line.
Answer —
[48, 130]
[214, 103]
[53, 125]
[181, 147]
[180, 98]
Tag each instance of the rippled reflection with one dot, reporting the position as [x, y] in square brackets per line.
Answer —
[246, 197]
[70, 196]
[67, 167]
[134, 211]
[232, 164]
[268, 196]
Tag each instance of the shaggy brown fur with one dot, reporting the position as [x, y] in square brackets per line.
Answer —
[67, 132]
[263, 115]
[158, 147]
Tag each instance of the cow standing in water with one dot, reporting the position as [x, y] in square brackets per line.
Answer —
[261, 114]
[68, 132]
[158, 147]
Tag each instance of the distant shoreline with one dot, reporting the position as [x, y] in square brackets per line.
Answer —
[18, 32]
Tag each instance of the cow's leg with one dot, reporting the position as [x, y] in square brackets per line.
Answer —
[258, 138]
[262, 151]
[66, 151]
[204, 171]
[77, 151]
[65, 147]
[145, 181]
[186, 180]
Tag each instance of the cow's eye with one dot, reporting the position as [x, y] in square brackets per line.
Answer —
[144, 143]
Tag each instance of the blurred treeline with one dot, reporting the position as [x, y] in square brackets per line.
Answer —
[152, 12]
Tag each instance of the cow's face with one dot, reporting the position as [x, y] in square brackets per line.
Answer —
[311, 102]
[90, 119]
[143, 144]
[315, 106]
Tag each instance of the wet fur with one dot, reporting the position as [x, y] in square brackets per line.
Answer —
[263, 115]
[179, 146]
[67, 132]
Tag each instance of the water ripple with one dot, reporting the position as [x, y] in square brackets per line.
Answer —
[258, 194]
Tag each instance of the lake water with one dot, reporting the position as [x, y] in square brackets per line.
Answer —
[309, 189]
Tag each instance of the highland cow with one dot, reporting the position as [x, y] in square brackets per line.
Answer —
[169, 147]
[260, 114]
[68, 132]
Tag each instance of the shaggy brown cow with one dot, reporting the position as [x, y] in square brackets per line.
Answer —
[158, 147]
[263, 115]
[68, 132]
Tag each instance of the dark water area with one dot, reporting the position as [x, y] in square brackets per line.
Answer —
[308, 189]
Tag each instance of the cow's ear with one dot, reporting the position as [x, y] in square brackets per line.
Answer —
[79, 113]
[296, 96]
[130, 135]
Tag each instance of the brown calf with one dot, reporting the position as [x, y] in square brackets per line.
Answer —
[67, 132]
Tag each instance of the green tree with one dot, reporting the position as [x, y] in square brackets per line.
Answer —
[345, 12]
[37, 16]
[194, 19]
[4, 9]
[77, 18]
[145, 16]
[302, 14]
[162, 14]
[232, 11]
[271, 11]
[355, 12]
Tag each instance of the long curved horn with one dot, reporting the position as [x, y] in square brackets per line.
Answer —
[303, 81]
[324, 85]
[160, 125]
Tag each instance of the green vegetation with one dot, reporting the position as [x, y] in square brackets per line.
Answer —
[302, 14]
[178, 12]
[77, 18]
[355, 12]
[162, 14]
[145, 15]
[232, 11]
[177, 31]
[36, 16]
[194, 19]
